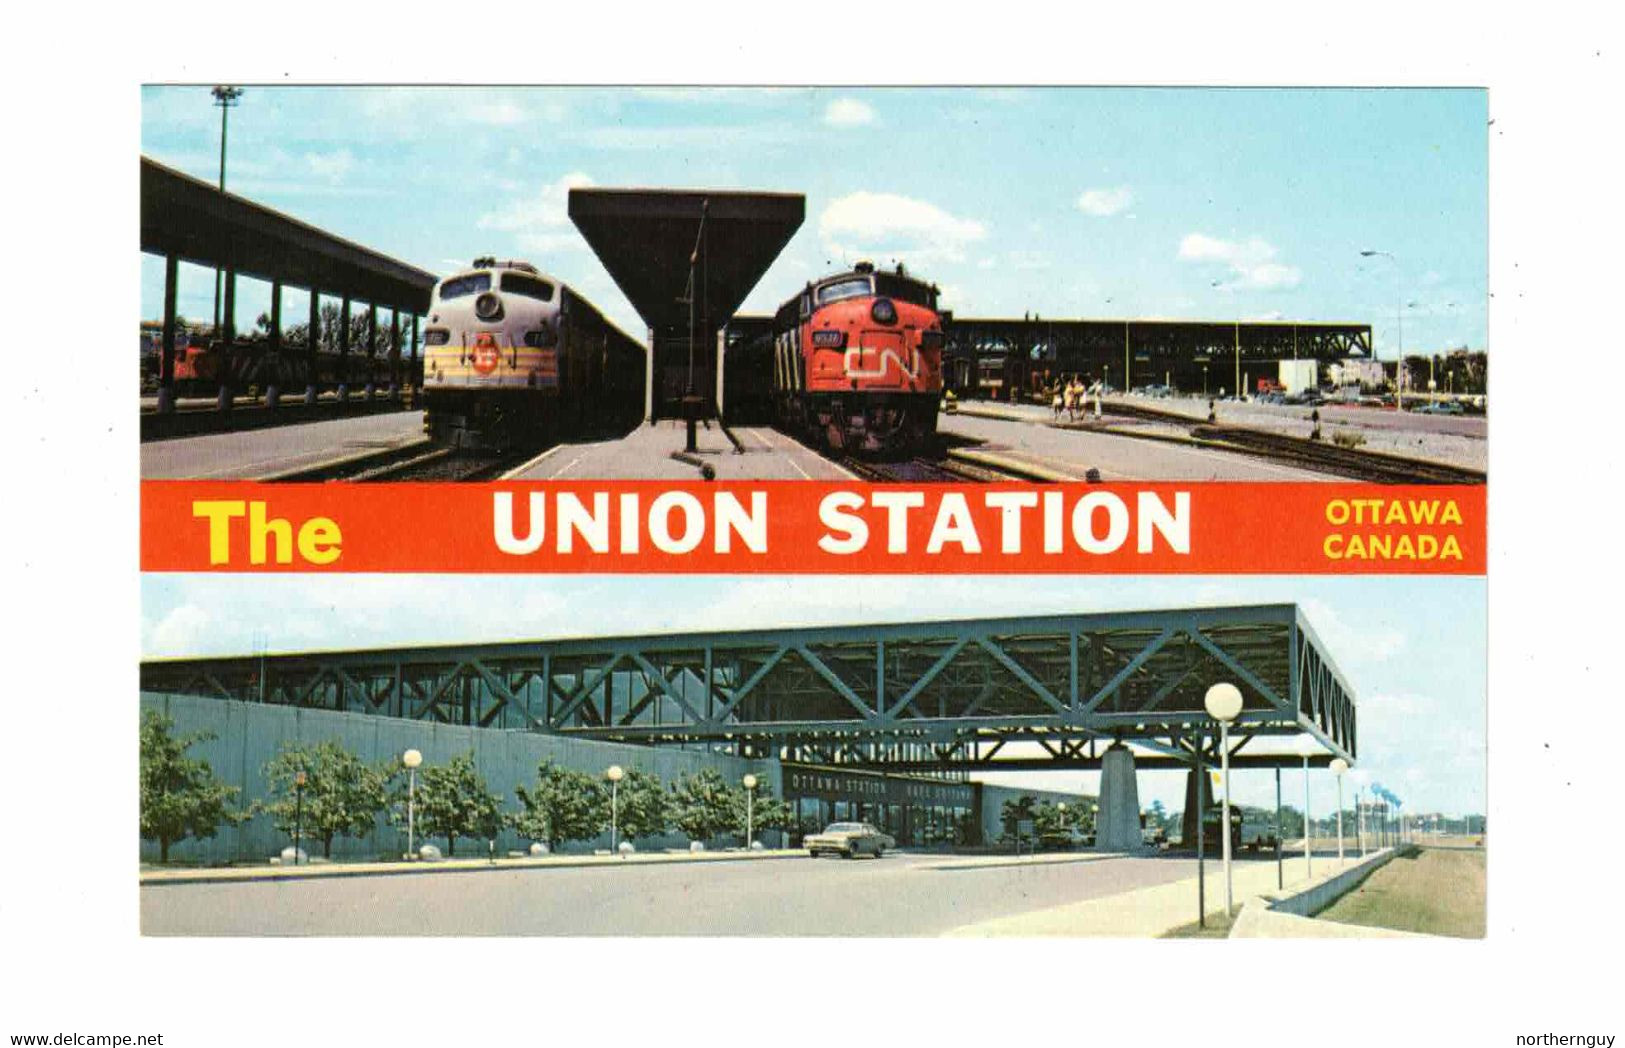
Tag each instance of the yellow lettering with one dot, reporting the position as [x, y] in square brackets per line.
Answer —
[319, 540]
[220, 514]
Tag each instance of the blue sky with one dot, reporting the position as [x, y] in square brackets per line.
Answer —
[1185, 203]
[1413, 649]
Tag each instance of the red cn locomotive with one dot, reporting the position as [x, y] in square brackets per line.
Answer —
[857, 362]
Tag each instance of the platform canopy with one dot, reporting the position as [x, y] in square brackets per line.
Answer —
[1017, 693]
[194, 221]
[645, 237]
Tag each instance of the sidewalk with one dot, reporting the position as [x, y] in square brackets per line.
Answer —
[1143, 913]
[232, 874]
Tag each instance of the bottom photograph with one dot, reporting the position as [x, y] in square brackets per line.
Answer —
[1151, 757]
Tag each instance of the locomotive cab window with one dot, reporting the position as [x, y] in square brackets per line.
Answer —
[852, 287]
[911, 291]
[530, 287]
[458, 287]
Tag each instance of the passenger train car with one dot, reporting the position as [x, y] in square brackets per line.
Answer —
[857, 361]
[513, 357]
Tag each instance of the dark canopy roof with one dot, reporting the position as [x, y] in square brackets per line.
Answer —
[644, 237]
[193, 220]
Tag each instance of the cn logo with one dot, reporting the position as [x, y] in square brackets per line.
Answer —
[486, 354]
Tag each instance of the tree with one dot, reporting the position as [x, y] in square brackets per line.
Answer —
[767, 812]
[180, 796]
[563, 805]
[702, 806]
[1014, 812]
[1051, 822]
[453, 801]
[342, 795]
[641, 806]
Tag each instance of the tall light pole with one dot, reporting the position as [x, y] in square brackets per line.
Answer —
[225, 96]
[750, 810]
[1340, 768]
[1223, 703]
[614, 776]
[1399, 316]
[411, 758]
[1308, 829]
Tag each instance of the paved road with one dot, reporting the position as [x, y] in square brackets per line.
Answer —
[1117, 458]
[645, 453]
[899, 895]
[257, 453]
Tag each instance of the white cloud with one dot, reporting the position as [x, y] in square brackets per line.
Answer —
[332, 166]
[1366, 641]
[1251, 262]
[1104, 202]
[849, 112]
[540, 221]
[884, 226]
[180, 632]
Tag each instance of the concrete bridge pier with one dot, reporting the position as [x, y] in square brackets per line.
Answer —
[1118, 826]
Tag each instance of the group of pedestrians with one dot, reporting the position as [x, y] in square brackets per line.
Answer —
[1072, 397]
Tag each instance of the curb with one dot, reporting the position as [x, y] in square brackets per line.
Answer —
[1002, 864]
[160, 878]
[290, 475]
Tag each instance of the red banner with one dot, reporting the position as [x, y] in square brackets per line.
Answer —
[801, 527]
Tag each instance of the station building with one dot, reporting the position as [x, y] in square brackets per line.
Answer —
[895, 724]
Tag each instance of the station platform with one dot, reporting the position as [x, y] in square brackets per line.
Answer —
[1018, 435]
[263, 454]
[646, 454]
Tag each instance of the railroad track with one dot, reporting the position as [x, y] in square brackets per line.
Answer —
[927, 470]
[1326, 457]
[1319, 456]
[418, 461]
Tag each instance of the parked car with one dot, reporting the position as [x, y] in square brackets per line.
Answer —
[1442, 407]
[850, 839]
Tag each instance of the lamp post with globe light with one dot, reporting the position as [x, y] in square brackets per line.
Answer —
[1340, 768]
[1223, 703]
[613, 774]
[750, 810]
[298, 810]
[411, 759]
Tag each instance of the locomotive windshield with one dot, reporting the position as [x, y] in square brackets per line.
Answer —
[850, 287]
[530, 287]
[471, 284]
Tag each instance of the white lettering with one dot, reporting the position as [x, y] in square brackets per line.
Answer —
[1174, 526]
[502, 523]
[835, 513]
[572, 518]
[660, 513]
[733, 520]
[1083, 522]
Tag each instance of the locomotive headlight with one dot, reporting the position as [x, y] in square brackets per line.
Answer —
[488, 307]
[883, 311]
[829, 338]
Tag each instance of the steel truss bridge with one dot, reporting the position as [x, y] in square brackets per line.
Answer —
[1029, 693]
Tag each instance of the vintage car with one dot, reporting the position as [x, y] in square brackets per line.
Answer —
[850, 839]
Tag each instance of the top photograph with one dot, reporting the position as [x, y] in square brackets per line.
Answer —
[886, 285]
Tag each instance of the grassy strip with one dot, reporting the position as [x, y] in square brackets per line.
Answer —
[1436, 891]
[1218, 927]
